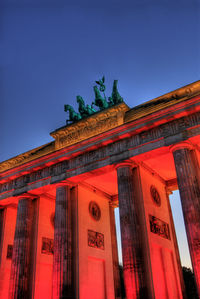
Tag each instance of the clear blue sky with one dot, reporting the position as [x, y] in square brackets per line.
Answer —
[52, 51]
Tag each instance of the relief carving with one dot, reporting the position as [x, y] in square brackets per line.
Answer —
[155, 195]
[94, 211]
[95, 240]
[91, 126]
[159, 227]
[47, 246]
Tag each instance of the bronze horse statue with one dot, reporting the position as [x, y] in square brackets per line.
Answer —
[116, 98]
[84, 110]
[99, 100]
[102, 103]
[73, 116]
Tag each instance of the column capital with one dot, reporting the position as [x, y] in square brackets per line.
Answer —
[26, 196]
[63, 184]
[181, 145]
[130, 164]
[114, 201]
[168, 192]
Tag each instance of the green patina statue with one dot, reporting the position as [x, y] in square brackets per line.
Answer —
[101, 83]
[100, 101]
[84, 110]
[116, 98]
[73, 116]
[102, 86]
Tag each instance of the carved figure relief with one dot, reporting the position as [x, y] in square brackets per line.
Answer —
[94, 211]
[95, 240]
[155, 195]
[159, 227]
[47, 246]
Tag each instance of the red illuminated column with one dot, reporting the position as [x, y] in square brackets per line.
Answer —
[62, 260]
[19, 285]
[187, 171]
[134, 278]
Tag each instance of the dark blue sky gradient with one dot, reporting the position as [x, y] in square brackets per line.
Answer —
[52, 51]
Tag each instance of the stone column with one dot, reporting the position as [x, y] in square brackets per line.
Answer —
[116, 276]
[187, 171]
[19, 284]
[62, 260]
[131, 235]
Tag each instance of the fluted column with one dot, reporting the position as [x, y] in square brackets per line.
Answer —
[133, 262]
[19, 285]
[62, 260]
[187, 171]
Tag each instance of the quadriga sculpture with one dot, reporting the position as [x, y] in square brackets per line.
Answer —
[100, 101]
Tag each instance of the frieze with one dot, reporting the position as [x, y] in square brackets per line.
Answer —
[164, 101]
[86, 132]
[159, 227]
[86, 128]
[28, 156]
[109, 150]
[95, 239]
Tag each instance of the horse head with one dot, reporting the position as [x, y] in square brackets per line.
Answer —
[80, 100]
[66, 108]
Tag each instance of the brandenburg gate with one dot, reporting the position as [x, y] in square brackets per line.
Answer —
[57, 201]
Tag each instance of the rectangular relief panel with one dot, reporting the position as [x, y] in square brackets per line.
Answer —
[159, 227]
[96, 279]
[95, 239]
[47, 246]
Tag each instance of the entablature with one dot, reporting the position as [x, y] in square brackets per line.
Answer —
[159, 129]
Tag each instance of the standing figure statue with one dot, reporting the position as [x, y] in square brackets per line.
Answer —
[102, 86]
[73, 116]
[84, 110]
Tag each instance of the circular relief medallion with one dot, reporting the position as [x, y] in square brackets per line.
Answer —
[94, 210]
[155, 195]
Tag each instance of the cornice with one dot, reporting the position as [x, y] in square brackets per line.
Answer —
[27, 156]
[164, 101]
